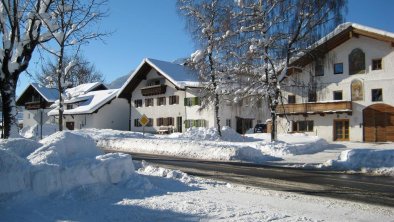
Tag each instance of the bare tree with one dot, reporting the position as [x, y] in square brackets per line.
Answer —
[72, 24]
[82, 72]
[207, 21]
[21, 31]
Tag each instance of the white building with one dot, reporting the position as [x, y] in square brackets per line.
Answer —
[92, 105]
[168, 94]
[343, 89]
[36, 100]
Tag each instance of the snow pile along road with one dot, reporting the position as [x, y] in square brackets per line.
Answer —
[35, 131]
[293, 144]
[64, 161]
[379, 162]
[211, 134]
[196, 143]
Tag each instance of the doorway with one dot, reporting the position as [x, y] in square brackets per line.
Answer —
[70, 125]
[341, 130]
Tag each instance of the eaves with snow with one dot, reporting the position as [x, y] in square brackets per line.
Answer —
[179, 75]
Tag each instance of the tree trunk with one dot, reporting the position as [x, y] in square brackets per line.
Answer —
[216, 98]
[9, 109]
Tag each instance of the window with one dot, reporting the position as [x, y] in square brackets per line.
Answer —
[69, 106]
[319, 67]
[291, 99]
[195, 123]
[338, 68]
[228, 122]
[337, 95]
[174, 100]
[161, 101]
[153, 82]
[356, 62]
[192, 101]
[312, 97]
[150, 122]
[149, 102]
[169, 121]
[376, 64]
[137, 123]
[138, 103]
[377, 95]
[303, 126]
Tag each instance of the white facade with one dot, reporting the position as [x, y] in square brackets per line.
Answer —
[381, 78]
[110, 116]
[181, 116]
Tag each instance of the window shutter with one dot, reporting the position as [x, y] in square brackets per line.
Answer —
[187, 124]
[185, 101]
[176, 99]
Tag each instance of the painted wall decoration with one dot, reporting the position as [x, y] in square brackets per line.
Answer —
[357, 90]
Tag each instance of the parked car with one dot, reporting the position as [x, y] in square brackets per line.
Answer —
[260, 128]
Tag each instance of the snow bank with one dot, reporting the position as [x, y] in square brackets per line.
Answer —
[294, 144]
[204, 150]
[20, 147]
[65, 160]
[211, 134]
[35, 131]
[379, 162]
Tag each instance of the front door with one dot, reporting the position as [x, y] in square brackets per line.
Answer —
[70, 125]
[179, 123]
[341, 130]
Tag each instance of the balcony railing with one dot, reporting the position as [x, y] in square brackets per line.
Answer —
[153, 90]
[315, 108]
[34, 105]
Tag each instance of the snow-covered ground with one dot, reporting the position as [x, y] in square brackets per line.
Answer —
[157, 194]
[65, 177]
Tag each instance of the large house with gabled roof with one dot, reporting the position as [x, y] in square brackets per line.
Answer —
[169, 94]
[342, 90]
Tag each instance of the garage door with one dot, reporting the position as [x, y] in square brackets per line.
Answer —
[378, 123]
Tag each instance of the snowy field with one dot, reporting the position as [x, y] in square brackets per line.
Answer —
[66, 177]
[291, 150]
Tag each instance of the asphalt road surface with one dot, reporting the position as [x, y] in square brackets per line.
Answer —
[355, 187]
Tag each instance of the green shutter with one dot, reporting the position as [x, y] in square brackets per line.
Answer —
[185, 101]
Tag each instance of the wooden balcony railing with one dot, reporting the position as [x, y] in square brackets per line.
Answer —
[153, 90]
[315, 108]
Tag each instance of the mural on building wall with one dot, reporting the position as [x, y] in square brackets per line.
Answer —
[356, 62]
[357, 90]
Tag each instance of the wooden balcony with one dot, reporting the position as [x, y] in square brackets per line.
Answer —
[315, 108]
[34, 105]
[153, 90]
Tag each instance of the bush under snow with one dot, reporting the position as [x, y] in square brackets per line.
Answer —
[366, 160]
[64, 160]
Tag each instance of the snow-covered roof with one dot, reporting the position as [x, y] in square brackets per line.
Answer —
[49, 94]
[82, 89]
[88, 103]
[180, 75]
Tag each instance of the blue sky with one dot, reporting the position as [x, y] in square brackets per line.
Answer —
[152, 28]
